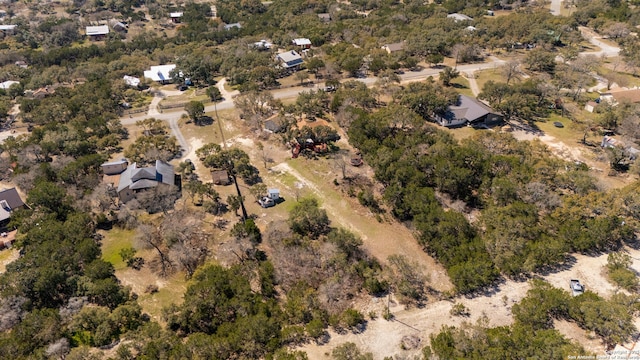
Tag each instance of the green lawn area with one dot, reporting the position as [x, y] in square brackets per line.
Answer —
[115, 240]
[483, 76]
[211, 133]
[462, 86]
[171, 293]
[625, 79]
[187, 96]
[461, 132]
[570, 134]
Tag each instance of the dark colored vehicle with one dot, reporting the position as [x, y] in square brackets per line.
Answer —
[558, 124]
[182, 87]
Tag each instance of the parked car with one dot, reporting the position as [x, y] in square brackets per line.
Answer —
[576, 287]
[182, 87]
[266, 202]
[329, 88]
[558, 124]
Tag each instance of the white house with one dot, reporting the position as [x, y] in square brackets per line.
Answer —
[160, 73]
[303, 43]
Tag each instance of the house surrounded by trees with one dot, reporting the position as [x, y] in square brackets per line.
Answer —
[128, 180]
[290, 60]
[9, 201]
[468, 111]
[97, 33]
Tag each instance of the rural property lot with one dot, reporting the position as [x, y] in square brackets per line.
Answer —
[383, 338]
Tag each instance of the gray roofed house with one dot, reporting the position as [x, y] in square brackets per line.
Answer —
[468, 110]
[133, 178]
[290, 59]
[9, 200]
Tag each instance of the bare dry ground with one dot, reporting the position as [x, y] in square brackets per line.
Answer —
[7, 256]
[383, 338]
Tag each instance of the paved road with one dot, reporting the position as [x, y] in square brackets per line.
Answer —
[606, 49]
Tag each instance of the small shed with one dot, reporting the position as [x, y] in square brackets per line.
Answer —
[590, 106]
[274, 194]
[220, 177]
[176, 17]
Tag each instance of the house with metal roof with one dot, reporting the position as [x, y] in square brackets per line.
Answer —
[468, 110]
[176, 17]
[8, 29]
[96, 33]
[262, 45]
[131, 80]
[160, 73]
[303, 43]
[290, 60]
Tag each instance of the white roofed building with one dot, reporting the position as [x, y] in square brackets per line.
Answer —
[7, 84]
[7, 29]
[160, 73]
[97, 32]
[176, 17]
[131, 80]
[303, 43]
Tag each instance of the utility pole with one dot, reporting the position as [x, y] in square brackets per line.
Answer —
[231, 171]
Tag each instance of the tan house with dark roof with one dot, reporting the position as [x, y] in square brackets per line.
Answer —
[128, 180]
